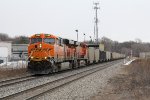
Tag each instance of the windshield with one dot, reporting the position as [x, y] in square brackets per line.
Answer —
[36, 40]
[49, 40]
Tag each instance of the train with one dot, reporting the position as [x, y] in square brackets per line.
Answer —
[48, 53]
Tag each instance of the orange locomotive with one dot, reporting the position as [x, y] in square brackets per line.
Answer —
[48, 53]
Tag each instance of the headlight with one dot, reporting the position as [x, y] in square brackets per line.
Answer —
[40, 45]
[32, 57]
[45, 57]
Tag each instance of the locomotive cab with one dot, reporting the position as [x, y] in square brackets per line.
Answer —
[41, 53]
[41, 46]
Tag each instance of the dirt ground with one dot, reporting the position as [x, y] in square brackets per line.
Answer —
[10, 73]
[126, 86]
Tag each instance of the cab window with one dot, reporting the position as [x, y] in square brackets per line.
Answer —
[36, 40]
[49, 40]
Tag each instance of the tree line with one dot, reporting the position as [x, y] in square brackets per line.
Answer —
[14, 40]
[127, 47]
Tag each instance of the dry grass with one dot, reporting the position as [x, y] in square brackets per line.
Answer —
[9, 73]
[139, 78]
[140, 70]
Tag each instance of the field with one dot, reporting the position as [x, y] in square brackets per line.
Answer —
[132, 83]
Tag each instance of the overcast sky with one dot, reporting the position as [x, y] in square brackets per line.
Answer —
[120, 20]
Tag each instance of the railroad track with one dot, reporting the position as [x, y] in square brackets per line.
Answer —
[15, 80]
[39, 90]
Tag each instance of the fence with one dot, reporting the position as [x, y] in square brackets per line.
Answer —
[19, 63]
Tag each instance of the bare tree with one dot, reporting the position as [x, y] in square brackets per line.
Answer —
[137, 40]
[4, 37]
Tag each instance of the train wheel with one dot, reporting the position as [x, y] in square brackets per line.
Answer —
[74, 64]
[54, 68]
[86, 63]
[77, 64]
[57, 67]
[71, 65]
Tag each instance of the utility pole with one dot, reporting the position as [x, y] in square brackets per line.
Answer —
[84, 36]
[77, 34]
[96, 21]
[131, 54]
[90, 39]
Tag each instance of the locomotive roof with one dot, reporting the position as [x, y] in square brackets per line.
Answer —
[42, 35]
[68, 41]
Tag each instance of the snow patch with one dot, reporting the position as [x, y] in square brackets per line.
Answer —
[129, 62]
[14, 64]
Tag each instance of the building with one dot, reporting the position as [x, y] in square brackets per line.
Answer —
[19, 51]
[5, 50]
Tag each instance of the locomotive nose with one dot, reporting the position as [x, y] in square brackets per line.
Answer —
[41, 51]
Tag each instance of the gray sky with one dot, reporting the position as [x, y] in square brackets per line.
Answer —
[120, 20]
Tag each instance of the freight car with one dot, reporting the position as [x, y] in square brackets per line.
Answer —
[48, 53]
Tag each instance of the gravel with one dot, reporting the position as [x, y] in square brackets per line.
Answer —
[84, 88]
[5, 91]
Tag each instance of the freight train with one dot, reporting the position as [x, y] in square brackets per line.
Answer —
[48, 53]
